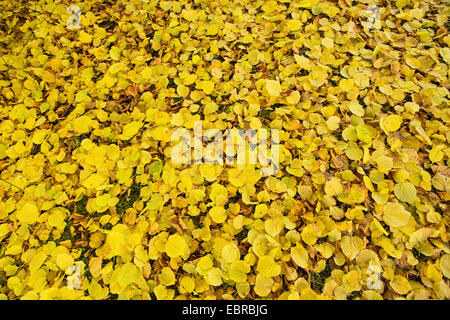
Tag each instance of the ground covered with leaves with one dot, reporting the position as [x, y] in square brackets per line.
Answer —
[358, 209]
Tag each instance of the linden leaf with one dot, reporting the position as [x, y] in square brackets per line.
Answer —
[175, 246]
[300, 256]
[130, 129]
[351, 246]
[400, 285]
[391, 123]
[356, 109]
[444, 263]
[207, 86]
[405, 191]
[85, 37]
[238, 271]
[94, 180]
[230, 253]
[267, 267]
[128, 274]
[64, 260]
[273, 88]
[214, 277]
[263, 285]
[395, 215]
[218, 214]
[28, 213]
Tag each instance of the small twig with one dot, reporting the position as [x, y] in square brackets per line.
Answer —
[12, 184]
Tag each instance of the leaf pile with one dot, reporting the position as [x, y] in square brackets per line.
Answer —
[358, 209]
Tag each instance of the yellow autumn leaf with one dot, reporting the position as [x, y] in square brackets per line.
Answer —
[28, 213]
[444, 263]
[218, 214]
[300, 256]
[267, 267]
[94, 180]
[335, 185]
[85, 37]
[395, 215]
[175, 246]
[400, 285]
[64, 260]
[390, 123]
[238, 271]
[273, 88]
[207, 87]
[351, 246]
